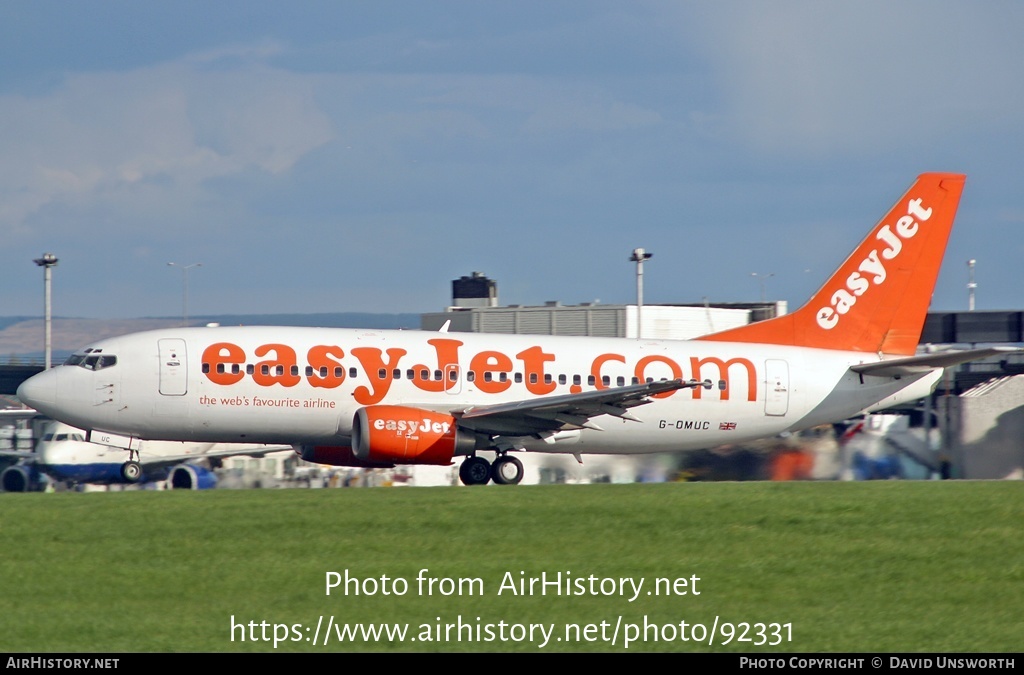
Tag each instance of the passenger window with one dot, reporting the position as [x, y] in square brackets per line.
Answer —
[620, 381]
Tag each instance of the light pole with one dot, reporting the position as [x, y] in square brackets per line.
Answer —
[47, 262]
[639, 256]
[761, 279]
[184, 286]
[971, 286]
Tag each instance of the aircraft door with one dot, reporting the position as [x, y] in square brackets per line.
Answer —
[776, 387]
[173, 367]
[452, 381]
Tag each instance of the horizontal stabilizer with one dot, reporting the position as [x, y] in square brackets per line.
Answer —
[919, 364]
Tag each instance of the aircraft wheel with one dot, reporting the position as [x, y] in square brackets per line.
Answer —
[475, 471]
[131, 471]
[507, 470]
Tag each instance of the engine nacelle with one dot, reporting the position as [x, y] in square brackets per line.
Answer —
[388, 433]
[338, 455]
[191, 477]
[21, 478]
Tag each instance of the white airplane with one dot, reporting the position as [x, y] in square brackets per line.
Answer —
[64, 454]
[380, 398]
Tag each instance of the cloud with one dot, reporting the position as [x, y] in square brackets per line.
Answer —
[818, 78]
[100, 136]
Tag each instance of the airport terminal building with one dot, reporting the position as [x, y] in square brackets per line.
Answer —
[475, 309]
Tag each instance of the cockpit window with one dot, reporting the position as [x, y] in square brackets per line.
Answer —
[94, 361]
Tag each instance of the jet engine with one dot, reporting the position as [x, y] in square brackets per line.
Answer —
[21, 478]
[403, 435]
[191, 477]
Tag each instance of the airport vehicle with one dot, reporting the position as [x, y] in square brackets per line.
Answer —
[381, 398]
[63, 454]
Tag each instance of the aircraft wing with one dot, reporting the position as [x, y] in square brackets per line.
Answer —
[913, 365]
[215, 451]
[568, 411]
[16, 454]
[14, 414]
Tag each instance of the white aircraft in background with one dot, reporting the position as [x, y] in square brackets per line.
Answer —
[380, 398]
[64, 454]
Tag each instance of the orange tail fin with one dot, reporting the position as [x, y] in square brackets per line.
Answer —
[878, 299]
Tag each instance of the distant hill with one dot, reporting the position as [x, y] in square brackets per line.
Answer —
[21, 338]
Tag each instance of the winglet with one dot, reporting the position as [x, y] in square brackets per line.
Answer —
[878, 299]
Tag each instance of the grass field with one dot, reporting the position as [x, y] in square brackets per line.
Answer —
[883, 566]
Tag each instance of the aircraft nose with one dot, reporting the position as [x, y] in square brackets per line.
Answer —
[39, 391]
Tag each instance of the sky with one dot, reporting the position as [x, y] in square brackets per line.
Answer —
[358, 156]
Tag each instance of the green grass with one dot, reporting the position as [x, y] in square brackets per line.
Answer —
[886, 566]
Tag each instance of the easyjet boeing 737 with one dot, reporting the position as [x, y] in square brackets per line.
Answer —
[379, 398]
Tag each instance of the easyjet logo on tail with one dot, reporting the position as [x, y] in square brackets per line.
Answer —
[872, 270]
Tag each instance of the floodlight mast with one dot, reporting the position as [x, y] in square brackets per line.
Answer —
[184, 292]
[47, 262]
[639, 256]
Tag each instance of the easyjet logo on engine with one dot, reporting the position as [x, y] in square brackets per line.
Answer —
[409, 427]
[492, 372]
[872, 271]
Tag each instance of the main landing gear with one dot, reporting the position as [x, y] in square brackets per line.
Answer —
[506, 470]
